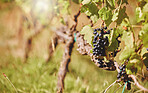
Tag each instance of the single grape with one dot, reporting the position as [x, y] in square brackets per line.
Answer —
[108, 32]
[120, 67]
[95, 32]
[98, 29]
[105, 27]
[94, 41]
[118, 76]
[100, 35]
[128, 85]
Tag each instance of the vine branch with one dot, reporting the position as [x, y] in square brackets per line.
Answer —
[67, 54]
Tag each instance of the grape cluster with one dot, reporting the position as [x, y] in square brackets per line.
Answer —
[123, 76]
[100, 43]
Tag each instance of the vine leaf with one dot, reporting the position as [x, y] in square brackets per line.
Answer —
[111, 3]
[131, 69]
[113, 42]
[87, 31]
[123, 1]
[143, 35]
[122, 15]
[139, 14]
[77, 1]
[126, 53]
[86, 2]
[145, 8]
[128, 39]
[135, 58]
[145, 59]
[94, 18]
[115, 16]
[105, 15]
[91, 10]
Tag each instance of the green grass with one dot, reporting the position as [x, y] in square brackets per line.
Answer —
[37, 76]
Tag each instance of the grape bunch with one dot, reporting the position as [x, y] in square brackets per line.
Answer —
[100, 43]
[123, 76]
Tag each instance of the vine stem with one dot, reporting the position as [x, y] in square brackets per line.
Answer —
[67, 54]
[109, 86]
[137, 83]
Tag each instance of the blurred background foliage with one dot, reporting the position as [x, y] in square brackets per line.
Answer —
[19, 20]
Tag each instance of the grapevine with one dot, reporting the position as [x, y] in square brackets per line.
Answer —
[112, 33]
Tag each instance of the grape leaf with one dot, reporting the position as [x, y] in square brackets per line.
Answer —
[145, 59]
[87, 31]
[113, 42]
[123, 1]
[128, 71]
[94, 18]
[105, 15]
[143, 35]
[135, 58]
[143, 51]
[131, 69]
[139, 14]
[111, 3]
[128, 39]
[126, 53]
[77, 1]
[122, 15]
[91, 10]
[115, 16]
[86, 2]
[145, 8]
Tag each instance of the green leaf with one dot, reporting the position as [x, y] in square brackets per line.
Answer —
[143, 35]
[145, 8]
[87, 31]
[113, 42]
[105, 15]
[131, 69]
[111, 3]
[143, 51]
[145, 59]
[126, 53]
[77, 1]
[123, 1]
[122, 15]
[115, 16]
[90, 9]
[135, 58]
[94, 18]
[139, 14]
[128, 71]
[86, 2]
[128, 39]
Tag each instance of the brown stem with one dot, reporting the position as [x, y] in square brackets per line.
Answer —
[64, 65]
[137, 83]
[67, 55]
